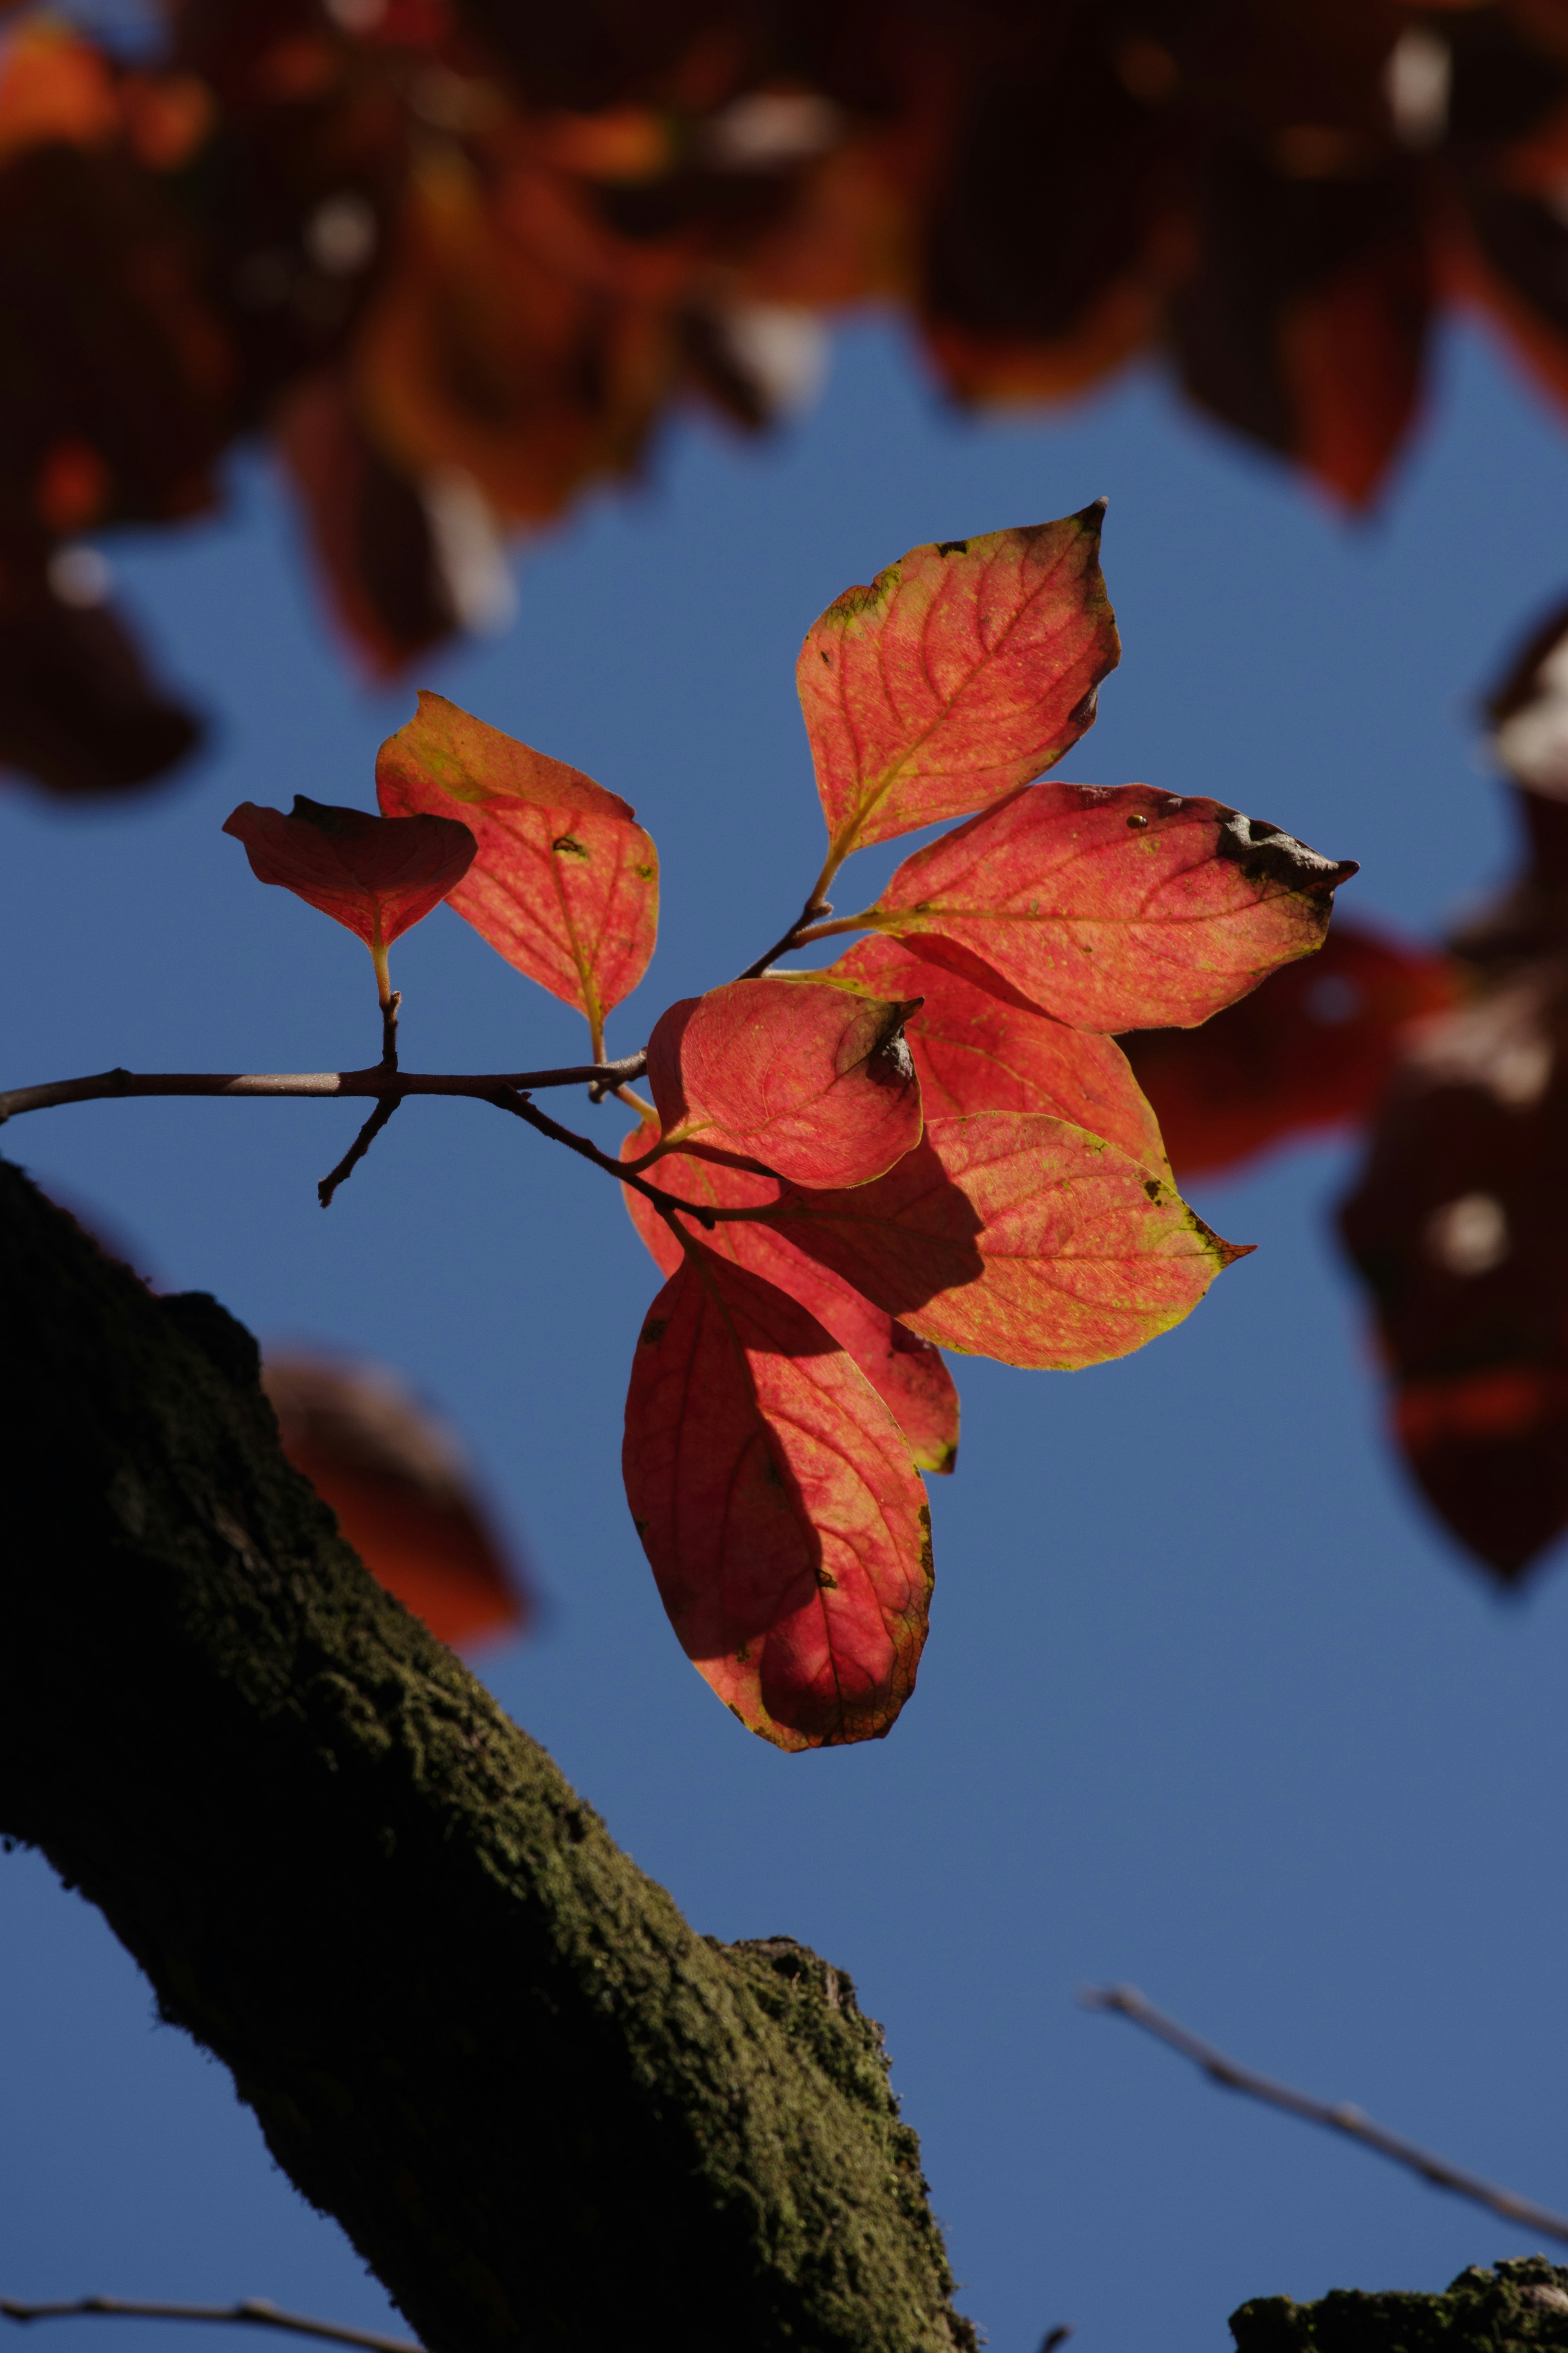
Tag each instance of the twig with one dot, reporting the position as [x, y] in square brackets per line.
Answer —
[664, 1202]
[1056, 2336]
[357, 1149]
[253, 2310]
[106, 1085]
[1342, 2118]
[389, 1030]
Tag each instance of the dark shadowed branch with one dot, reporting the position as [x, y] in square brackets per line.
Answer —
[1126, 2001]
[546, 2112]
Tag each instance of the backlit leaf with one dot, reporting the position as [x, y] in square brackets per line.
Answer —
[1114, 908]
[776, 1501]
[907, 1373]
[565, 884]
[813, 1079]
[375, 874]
[964, 671]
[1019, 1237]
[976, 1050]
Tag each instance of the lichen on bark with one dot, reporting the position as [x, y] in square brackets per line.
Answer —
[547, 2112]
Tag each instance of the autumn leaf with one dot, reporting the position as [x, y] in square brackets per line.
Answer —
[1113, 908]
[962, 671]
[775, 1499]
[974, 1050]
[403, 1491]
[1018, 1237]
[1314, 1046]
[811, 1079]
[566, 884]
[376, 875]
[907, 1373]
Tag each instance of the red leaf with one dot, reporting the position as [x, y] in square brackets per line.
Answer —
[776, 1501]
[812, 1079]
[1018, 1237]
[973, 1051]
[566, 884]
[403, 1493]
[378, 875]
[964, 671]
[907, 1374]
[1114, 908]
[1313, 1046]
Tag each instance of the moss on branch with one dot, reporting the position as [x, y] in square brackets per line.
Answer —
[546, 2112]
[1519, 2307]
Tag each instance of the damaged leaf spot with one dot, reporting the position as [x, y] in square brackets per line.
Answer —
[566, 847]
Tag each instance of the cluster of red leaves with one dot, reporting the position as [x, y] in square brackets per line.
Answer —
[458, 257]
[935, 1142]
[1455, 1059]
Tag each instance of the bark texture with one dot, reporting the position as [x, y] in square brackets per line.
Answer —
[546, 2112]
[1519, 2307]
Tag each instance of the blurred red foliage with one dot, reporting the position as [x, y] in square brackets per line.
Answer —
[458, 257]
[403, 1495]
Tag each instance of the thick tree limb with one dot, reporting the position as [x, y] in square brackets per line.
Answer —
[547, 2113]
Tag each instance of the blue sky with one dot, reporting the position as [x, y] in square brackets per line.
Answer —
[1209, 1703]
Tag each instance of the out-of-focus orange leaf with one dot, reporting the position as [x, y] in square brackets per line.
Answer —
[375, 875]
[812, 1079]
[775, 1495]
[565, 884]
[403, 1493]
[1312, 1046]
[907, 1373]
[974, 1050]
[54, 86]
[964, 669]
[1113, 908]
[1018, 1237]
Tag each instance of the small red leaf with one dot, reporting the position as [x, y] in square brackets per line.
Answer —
[1114, 908]
[774, 1496]
[973, 1051]
[964, 671]
[403, 1493]
[1018, 1237]
[907, 1374]
[811, 1079]
[378, 875]
[566, 884]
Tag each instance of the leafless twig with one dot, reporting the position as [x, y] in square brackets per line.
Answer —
[357, 1149]
[1341, 2117]
[328, 1086]
[253, 2310]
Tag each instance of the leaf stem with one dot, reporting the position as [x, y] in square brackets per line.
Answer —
[815, 905]
[866, 920]
[665, 1203]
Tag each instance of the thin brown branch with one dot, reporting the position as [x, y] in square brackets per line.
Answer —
[252, 2311]
[328, 1086]
[816, 904]
[1341, 2117]
[357, 1149]
[664, 1202]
